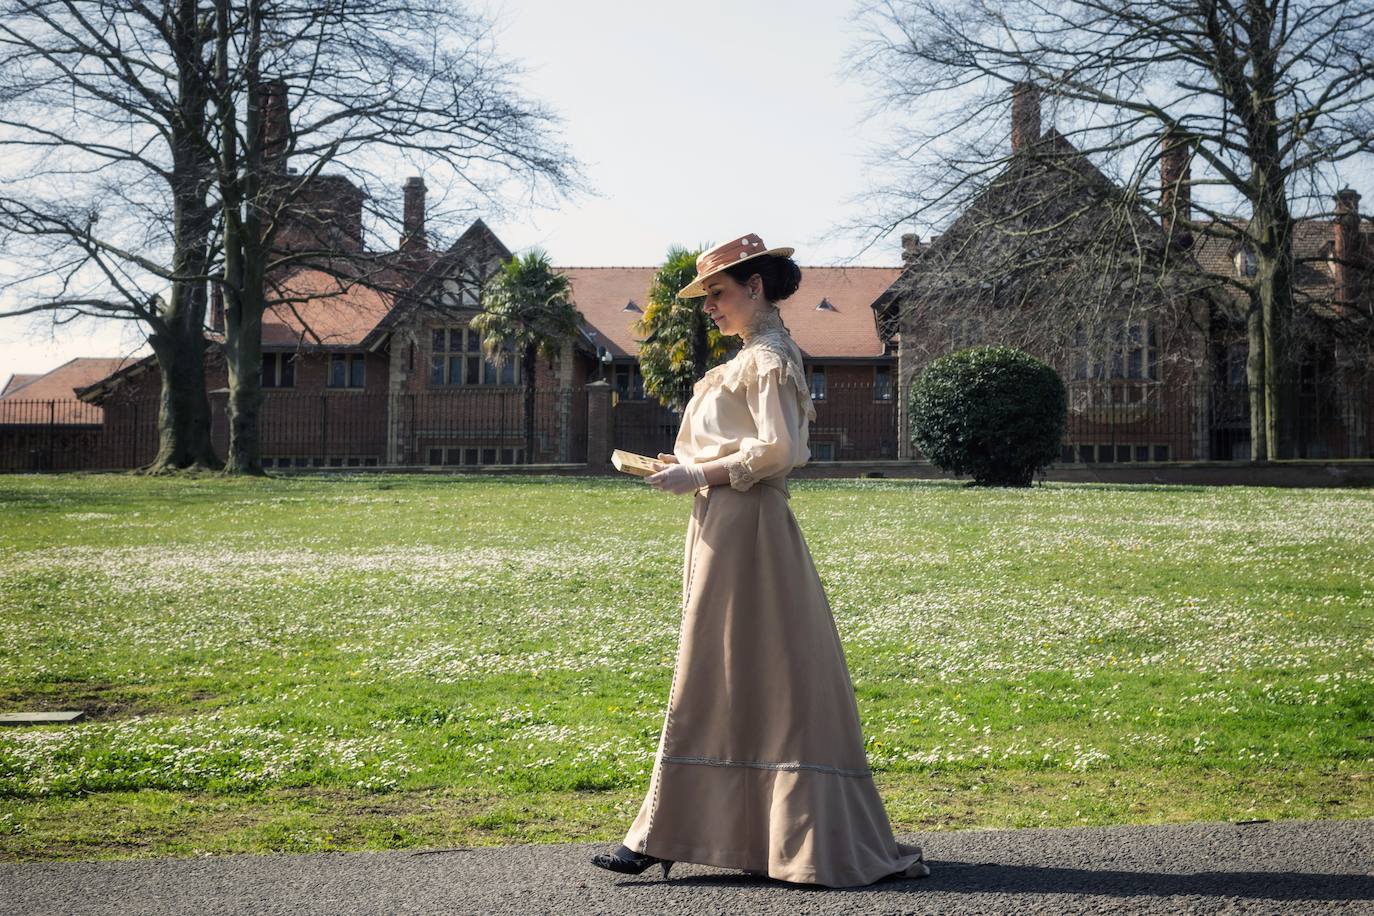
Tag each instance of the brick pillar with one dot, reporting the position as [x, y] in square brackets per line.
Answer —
[600, 426]
[564, 406]
[399, 422]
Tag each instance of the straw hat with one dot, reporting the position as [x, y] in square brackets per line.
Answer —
[709, 263]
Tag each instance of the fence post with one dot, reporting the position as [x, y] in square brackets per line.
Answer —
[410, 444]
[564, 424]
[600, 426]
[52, 432]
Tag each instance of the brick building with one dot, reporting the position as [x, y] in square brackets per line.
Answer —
[1140, 323]
[358, 374]
[375, 365]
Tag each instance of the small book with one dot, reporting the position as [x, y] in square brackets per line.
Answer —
[632, 463]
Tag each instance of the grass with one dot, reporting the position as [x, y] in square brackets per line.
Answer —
[371, 662]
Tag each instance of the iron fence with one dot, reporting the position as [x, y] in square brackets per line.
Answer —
[1149, 421]
[49, 435]
[467, 426]
[1106, 423]
[854, 422]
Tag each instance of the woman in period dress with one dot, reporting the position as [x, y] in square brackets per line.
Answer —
[760, 765]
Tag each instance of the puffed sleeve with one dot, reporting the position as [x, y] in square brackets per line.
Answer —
[777, 421]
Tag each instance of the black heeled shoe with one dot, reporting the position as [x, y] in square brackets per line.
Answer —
[628, 862]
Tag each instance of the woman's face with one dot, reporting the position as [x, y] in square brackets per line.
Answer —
[728, 303]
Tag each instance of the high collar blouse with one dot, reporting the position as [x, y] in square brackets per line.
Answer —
[756, 405]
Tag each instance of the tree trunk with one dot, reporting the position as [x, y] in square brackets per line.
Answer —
[529, 370]
[1271, 225]
[1271, 229]
[243, 355]
[178, 338]
[245, 255]
[1254, 378]
[183, 417]
[245, 301]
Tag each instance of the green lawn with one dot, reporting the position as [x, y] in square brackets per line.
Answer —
[376, 662]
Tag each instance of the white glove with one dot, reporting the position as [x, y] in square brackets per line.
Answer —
[678, 478]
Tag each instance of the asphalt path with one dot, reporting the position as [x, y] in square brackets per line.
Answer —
[1287, 867]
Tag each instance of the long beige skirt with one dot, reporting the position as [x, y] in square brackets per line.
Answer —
[760, 764]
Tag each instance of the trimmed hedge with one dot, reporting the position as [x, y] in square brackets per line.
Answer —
[996, 413]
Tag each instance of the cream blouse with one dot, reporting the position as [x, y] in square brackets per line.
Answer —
[756, 404]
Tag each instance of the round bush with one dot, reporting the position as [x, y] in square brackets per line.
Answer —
[996, 413]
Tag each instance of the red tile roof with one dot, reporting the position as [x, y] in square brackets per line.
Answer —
[847, 329]
[319, 309]
[16, 381]
[21, 405]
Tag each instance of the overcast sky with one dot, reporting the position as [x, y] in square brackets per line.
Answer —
[742, 103]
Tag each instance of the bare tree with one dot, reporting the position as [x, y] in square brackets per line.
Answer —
[334, 83]
[106, 209]
[1267, 97]
[146, 165]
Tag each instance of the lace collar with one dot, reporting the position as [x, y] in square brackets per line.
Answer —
[766, 322]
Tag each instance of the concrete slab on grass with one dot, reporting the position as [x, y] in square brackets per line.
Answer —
[40, 718]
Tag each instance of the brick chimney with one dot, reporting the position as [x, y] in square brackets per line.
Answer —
[1175, 192]
[413, 223]
[1348, 269]
[1025, 115]
[275, 124]
[911, 248]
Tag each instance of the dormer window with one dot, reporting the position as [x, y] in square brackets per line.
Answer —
[825, 304]
[631, 307]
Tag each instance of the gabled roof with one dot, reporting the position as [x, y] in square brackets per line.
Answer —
[846, 329]
[58, 387]
[477, 244]
[17, 381]
[1041, 231]
[353, 304]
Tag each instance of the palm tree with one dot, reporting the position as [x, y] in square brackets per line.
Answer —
[678, 342]
[526, 308]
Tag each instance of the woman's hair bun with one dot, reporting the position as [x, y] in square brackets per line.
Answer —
[780, 275]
